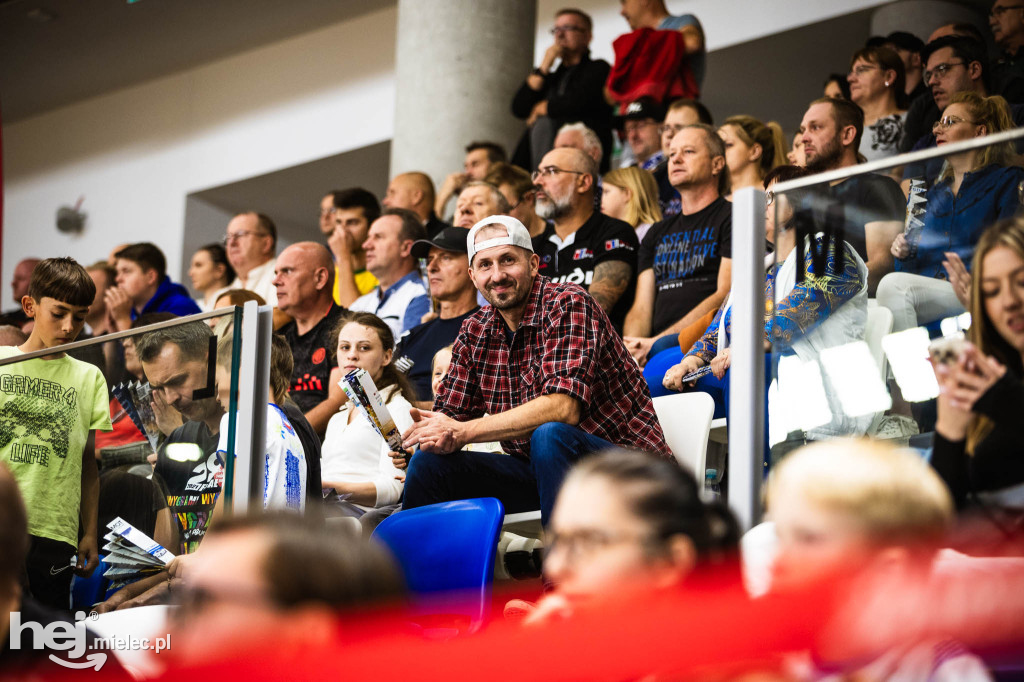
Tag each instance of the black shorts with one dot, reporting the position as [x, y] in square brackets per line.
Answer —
[50, 570]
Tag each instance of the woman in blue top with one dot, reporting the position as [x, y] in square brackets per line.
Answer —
[974, 190]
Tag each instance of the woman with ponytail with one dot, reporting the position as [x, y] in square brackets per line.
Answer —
[752, 149]
[975, 189]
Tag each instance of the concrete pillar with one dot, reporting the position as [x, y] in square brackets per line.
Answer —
[921, 17]
[458, 64]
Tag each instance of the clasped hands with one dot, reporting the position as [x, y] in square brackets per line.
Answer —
[431, 431]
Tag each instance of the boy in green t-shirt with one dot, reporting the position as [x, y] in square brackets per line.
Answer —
[49, 409]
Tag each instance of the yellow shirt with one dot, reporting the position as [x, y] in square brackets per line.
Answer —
[365, 283]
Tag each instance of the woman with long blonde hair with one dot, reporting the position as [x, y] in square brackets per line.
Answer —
[975, 189]
[631, 194]
[979, 431]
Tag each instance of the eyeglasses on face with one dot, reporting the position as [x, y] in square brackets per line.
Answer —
[559, 30]
[863, 69]
[630, 126]
[672, 128]
[948, 121]
[940, 70]
[548, 171]
[228, 238]
[997, 12]
[587, 542]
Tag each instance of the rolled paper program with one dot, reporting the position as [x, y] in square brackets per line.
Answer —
[360, 389]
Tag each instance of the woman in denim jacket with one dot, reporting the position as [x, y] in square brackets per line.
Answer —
[974, 190]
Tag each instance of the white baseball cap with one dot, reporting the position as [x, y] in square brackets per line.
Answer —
[518, 235]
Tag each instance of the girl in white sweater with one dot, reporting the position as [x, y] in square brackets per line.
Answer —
[355, 460]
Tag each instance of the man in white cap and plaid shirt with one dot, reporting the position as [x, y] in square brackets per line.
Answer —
[540, 369]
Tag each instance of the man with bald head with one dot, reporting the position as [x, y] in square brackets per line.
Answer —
[582, 245]
[478, 200]
[414, 191]
[304, 280]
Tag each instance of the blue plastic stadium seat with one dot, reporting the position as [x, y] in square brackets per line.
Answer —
[87, 592]
[446, 552]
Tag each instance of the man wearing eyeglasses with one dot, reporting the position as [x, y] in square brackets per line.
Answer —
[548, 99]
[640, 125]
[583, 246]
[956, 64]
[251, 242]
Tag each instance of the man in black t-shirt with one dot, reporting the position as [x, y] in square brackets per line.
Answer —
[452, 288]
[872, 206]
[304, 277]
[583, 246]
[685, 261]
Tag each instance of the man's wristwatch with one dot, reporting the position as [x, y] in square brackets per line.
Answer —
[537, 72]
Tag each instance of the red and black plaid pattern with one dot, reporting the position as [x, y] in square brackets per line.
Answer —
[564, 344]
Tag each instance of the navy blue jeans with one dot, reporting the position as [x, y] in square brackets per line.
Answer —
[521, 485]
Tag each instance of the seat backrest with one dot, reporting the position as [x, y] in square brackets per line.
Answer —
[879, 324]
[87, 592]
[686, 420]
[447, 549]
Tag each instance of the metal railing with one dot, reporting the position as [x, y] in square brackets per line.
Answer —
[250, 374]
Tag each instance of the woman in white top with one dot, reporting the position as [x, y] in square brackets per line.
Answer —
[355, 460]
[211, 273]
[631, 194]
[877, 82]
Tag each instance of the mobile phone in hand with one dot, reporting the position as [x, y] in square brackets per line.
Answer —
[947, 350]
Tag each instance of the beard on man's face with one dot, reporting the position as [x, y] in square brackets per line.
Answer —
[825, 158]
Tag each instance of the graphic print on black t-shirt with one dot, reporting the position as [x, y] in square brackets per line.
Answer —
[681, 254]
[599, 239]
[313, 360]
[190, 476]
[684, 252]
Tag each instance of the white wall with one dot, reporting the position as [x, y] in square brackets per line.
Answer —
[135, 154]
[726, 22]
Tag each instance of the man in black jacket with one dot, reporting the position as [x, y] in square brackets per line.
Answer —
[549, 99]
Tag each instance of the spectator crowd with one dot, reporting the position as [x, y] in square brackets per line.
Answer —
[522, 322]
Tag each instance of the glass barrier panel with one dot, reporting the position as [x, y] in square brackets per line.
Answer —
[156, 402]
[873, 279]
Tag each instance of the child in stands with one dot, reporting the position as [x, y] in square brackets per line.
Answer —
[50, 408]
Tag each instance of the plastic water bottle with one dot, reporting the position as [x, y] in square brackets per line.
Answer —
[712, 485]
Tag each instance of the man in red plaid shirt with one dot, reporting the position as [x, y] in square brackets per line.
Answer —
[541, 370]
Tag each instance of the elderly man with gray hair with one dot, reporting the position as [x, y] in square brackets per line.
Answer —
[575, 389]
[582, 245]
